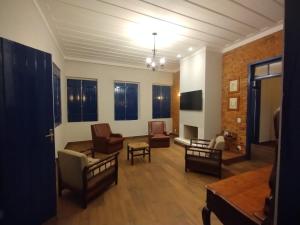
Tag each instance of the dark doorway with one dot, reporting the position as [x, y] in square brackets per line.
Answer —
[262, 75]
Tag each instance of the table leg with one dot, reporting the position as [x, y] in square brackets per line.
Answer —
[149, 149]
[206, 215]
[127, 152]
[131, 157]
[144, 152]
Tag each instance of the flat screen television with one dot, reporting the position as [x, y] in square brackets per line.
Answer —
[191, 100]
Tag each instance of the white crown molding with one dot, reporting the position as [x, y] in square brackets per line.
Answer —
[56, 42]
[115, 64]
[254, 37]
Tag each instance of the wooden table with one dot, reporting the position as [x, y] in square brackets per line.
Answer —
[238, 200]
[138, 149]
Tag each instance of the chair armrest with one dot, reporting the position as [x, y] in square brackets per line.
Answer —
[103, 161]
[166, 133]
[116, 135]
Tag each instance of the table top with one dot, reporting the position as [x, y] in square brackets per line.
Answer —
[138, 145]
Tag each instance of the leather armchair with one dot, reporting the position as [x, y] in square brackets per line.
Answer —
[84, 175]
[104, 140]
[157, 134]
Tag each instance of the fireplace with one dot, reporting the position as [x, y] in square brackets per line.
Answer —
[190, 132]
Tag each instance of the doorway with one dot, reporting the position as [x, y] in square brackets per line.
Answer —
[264, 97]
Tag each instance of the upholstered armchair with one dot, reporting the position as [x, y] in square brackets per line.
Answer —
[84, 175]
[104, 140]
[157, 134]
[205, 155]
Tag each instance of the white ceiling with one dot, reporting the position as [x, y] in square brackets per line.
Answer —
[119, 31]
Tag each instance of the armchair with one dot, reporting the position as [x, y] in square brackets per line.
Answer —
[104, 140]
[205, 156]
[84, 175]
[157, 134]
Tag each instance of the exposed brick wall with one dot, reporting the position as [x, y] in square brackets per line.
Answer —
[175, 103]
[235, 66]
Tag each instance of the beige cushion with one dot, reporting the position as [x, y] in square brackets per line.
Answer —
[220, 143]
[71, 165]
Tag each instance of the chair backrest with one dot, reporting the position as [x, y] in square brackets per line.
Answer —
[217, 143]
[101, 130]
[71, 165]
[156, 127]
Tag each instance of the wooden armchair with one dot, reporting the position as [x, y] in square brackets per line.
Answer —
[104, 140]
[205, 156]
[84, 175]
[157, 134]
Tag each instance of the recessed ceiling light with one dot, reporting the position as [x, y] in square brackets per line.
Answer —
[190, 49]
[178, 56]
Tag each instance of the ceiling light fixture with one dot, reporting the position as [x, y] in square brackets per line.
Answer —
[151, 62]
[190, 49]
[178, 56]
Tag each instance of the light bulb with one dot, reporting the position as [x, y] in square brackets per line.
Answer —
[190, 49]
[153, 64]
[178, 56]
[148, 61]
[162, 61]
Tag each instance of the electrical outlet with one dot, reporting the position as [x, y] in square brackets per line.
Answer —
[238, 120]
[239, 147]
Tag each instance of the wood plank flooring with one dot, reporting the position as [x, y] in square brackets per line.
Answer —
[153, 193]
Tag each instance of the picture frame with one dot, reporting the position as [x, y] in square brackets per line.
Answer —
[233, 103]
[234, 86]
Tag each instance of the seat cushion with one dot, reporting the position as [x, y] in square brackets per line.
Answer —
[115, 140]
[159, 136]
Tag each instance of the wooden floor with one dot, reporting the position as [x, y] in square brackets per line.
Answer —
[153, 193]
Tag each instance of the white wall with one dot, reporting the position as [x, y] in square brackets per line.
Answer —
[202, 71]
[271, 95]
[21, 22]
[192, 77]
[213, 93]
[106, 75]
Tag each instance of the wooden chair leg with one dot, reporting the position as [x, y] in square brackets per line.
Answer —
[83, 200]
[206, 215]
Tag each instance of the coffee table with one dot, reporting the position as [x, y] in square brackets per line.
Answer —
[138, 149]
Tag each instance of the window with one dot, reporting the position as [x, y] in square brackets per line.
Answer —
[126, 101]
[56, 95]
[82, 100]
[161, 101]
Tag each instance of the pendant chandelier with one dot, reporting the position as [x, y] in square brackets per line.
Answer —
[151, 62]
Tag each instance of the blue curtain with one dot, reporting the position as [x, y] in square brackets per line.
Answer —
[126, 101]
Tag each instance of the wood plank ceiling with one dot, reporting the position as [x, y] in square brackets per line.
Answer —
[119, 31]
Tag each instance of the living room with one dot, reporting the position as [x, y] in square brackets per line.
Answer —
[132, 65]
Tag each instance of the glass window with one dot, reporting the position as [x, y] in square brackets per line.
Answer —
[161, 101]
[126, 101]
[82, 100]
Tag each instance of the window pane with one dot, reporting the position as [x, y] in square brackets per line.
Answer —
[74, 100]
[276, 68]
[119, 101]
[89, 100]
[131, 101]
[156, 96]
[261, 70]
[165, 102]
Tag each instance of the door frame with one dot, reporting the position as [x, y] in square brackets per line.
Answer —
[252, 103]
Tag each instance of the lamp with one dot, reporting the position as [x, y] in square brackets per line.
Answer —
[151, 62]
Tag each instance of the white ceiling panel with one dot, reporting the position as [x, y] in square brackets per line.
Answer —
[120, 31]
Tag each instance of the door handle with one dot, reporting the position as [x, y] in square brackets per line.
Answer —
[50, 135]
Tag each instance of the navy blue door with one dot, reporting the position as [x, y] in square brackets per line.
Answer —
[27, 160]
